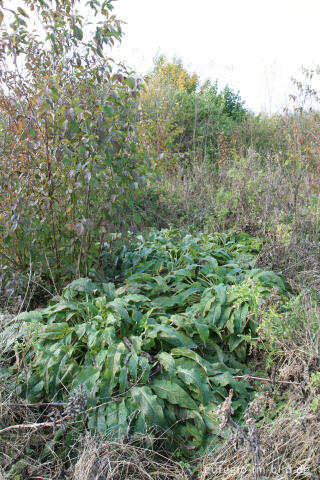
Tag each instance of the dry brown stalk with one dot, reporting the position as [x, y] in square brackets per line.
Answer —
[26, 426]
[31, 405]
[268, 380]
[110, 460]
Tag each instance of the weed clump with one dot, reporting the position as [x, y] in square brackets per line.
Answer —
[159, 349]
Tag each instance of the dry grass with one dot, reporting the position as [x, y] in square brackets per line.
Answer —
[187, 194]
[22, 451]
[299, 261]
[289, 450]
[259, 195]
[103, 460]
[287, 419]
[3, 476]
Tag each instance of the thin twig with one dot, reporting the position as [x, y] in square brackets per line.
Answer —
[25, 426]
[268, 380]
[31, 405]
[51, 274]
[27, 289]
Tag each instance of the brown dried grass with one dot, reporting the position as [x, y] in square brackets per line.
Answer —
[289, 450]
[289, 428]
[109, 460]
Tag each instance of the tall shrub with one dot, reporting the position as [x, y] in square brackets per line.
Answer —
[68, 149]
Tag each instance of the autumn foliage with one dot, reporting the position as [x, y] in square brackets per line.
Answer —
[69, 154]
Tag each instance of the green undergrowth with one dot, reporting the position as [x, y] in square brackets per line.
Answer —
[157, 349]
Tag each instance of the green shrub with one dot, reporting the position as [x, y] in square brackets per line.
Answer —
[158, 349]
[69, 160]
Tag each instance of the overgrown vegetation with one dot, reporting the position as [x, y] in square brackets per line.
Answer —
[135, 342]
[183, 120]
[158, 350]
[69, 157]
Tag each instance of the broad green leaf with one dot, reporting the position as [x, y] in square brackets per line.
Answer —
[88, 378]
[34, 390]
[131, 82]
[230, 323]
[62, 306]
[94, 337]
[234, 341]
[148, 404]
[108, 289]
[113, 366]
[140, 278]
[216, 314]
[140, 424]
[192, 377]
[185, 352]
[100, 358]
[136, 298]
[85, 285]
[172, 392]
[78, 33]
[101, 420]
[123, 379]
[34, 316]
[109, 335]
[223, 379]
[22, 12]
[133, 365]
[145, 369]
[209, 416]
[221, 293]
[108, 110]
[203, 331]
[136, 343]
[183, 272]
[177, 339]
[118, 305]
[123, 414]
[221, 322]
[112, 420]
[56, 331]
[270, 279]
[167, 362]
[208, 304]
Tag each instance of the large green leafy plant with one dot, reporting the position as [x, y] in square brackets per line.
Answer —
[68, 149]
[160, 348]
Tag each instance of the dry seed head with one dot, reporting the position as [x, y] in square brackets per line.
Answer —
[224, 411]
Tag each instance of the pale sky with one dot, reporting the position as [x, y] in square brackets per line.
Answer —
[255, 46]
